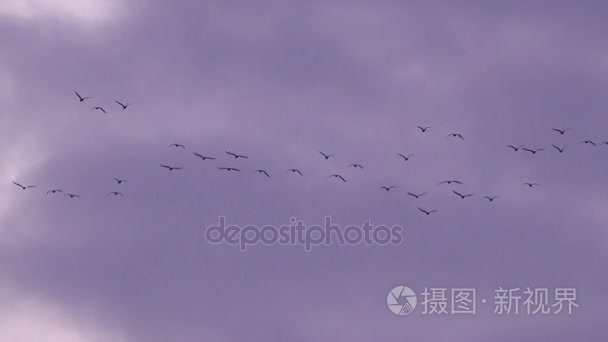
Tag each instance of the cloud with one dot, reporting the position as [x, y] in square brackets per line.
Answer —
[85, 12]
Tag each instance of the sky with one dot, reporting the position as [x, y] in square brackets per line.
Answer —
[279, 81]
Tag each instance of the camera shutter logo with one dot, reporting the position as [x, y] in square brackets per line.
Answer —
[401, 300]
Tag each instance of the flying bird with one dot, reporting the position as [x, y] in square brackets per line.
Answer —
[124, 106]
[423, 129]
[177, 145]
[170, 168]
[531, 184]
[326, 156]
[405, 158]
[54, 191]
[120, 181]
[71, 195]
[24, 187]
[416, 195]
[533, 151]
[561, 150]
[456, 135]
[203, 157]
[229, 169]
[387, 188]
[100, 109]
[588, 142]
[295, 170]
[116, 193]
[337, 176]
[515, 148]
[561, 131]
[461, 195]
[450, 182]
[81, 98]
[491, 198]
[355, 165]
[236, 156]
[426, 211]
[262, 171]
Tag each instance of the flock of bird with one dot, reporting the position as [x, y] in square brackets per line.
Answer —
[326, 156]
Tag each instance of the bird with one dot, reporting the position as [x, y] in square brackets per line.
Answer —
[295, 171]
[491, 198]
[337, 176]
[116, 193]
[423, 129]
[426, 211]
[533, 151]
[71, 195]
[120, 181]
[236, 156]
[54, 191]
[170, 168]
[604, 143]
[124, 106]
[326, 156]
[416, 195]
[262, 171]
[355, 165]
[515, 148]
[456, 135]
[203, 157]
[24, 187]
[387, 188]
[461, 195]
[588, 142]
[561, 150]
[405, 158]
[229, 169]
[81, 98]
[450, 182]
[561, 131]
[177, 145]
[531, 184]
[100, 109]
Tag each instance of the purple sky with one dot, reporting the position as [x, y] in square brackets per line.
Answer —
[279, 81]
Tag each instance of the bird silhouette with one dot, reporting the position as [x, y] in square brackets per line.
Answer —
[295, 171]
[116, 193]
[24, 187]
[355, 165]
[71, 195]
[326, 156]
[337, 176]
[561, 131]
[236, 156]
[515, 148]
[491, 198]
[450, 182]
[81, 98]
[427, 212]
[531, 184]
[120, 181]
[561, 150]
[177, 145]
[416, 195]
[123, 105]
[456, 135]
[229, 169]
[589, 142]
[533, 151]
[461, 195]
[405, 158]
[604, 143]
[203, 157]
[171, 168]
[100, 109]
[423, 129]
[54, 191]
[263, 172]
[387, 188]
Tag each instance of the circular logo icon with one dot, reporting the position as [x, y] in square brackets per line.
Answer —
[401, 300]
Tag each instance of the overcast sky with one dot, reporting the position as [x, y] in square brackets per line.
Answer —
[279, 81]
